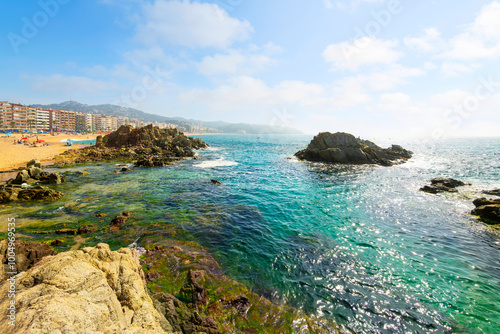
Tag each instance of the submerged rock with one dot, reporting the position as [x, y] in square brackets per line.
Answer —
[93, 290]
[488, 210]
[344, 148]
[440, 185]
[120, 220]
[181, 318]
[494, 192]
[192, 291]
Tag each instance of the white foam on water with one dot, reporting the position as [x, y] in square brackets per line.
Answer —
[216, 163]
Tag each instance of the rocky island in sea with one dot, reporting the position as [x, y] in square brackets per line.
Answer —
[160, 283]
[344, 148]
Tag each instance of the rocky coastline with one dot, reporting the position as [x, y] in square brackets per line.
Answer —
[487, 209]
[158, 284]
[344, 148]
[149, 146]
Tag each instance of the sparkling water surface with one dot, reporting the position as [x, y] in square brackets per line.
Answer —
[357, 244]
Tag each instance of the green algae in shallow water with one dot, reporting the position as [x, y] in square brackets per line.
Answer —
[166, 268]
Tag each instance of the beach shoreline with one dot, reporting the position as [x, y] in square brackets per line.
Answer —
[14, 156]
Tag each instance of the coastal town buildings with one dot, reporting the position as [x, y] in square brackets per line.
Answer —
[20, 118]
[42, 119]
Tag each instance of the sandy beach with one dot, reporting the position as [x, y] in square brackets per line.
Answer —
[14, 155]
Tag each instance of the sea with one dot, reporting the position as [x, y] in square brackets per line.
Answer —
[359, 245]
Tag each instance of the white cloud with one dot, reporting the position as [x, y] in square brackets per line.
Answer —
[395, 99]
[191, 24]
[451, 69]
[481, 39]
[245, 92]
[429, 42]
[238, 62]
[429, 66]
[364, 51]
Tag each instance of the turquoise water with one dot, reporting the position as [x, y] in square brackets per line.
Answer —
[83, 142]
[359, 245]
[362, 244]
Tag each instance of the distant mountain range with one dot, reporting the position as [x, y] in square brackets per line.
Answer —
[219, 126]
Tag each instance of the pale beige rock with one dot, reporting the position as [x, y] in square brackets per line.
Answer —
[89, 291]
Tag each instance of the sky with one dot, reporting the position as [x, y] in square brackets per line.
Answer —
[374, 68]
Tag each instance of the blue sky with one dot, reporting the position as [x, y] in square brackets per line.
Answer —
[370, 67]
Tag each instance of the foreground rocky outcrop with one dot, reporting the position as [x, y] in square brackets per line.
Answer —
[27, 254]
[344, 148]
[440, 185]
[488, 210]
[93, 290]
[150, 146]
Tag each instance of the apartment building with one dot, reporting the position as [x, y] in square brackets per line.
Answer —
[19, 117]
[106, 123]
[5, 115]
[42, 119]
[114, 123]
[88, 123]
[67, 120]
[54, 120]
[31, 118]
[80, 122]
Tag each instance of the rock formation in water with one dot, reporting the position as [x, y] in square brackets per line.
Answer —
[494, 192]
[488, 210]
[149, 145]
[344, 148]
[19, 188]
[93, 290]
[440, 185]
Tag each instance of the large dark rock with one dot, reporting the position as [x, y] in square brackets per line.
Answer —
[27, 254]
[148, 161]
[120, 220]
[344, 148]
[39, 193]
[487, 210]
[447, 182]
[22, 177]
[34, 163]
[441, 185]
[158, 140]
[494, 192]
[150, 146]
